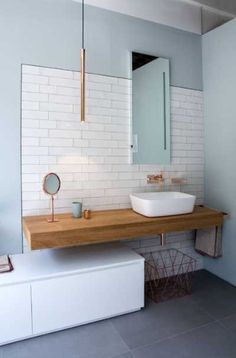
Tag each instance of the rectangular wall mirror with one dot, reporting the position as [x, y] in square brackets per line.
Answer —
[150, 109]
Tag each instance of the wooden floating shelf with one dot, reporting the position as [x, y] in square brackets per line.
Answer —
[111, 225]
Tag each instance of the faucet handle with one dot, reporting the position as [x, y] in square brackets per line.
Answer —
[155, 178]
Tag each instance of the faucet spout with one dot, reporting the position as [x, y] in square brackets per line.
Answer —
[155, 179]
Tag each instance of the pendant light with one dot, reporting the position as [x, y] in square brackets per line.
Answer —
[82, 69]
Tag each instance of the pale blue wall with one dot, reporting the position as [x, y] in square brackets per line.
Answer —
[219, 73]
[47, 33]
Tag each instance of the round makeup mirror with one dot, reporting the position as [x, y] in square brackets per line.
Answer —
[51, 186]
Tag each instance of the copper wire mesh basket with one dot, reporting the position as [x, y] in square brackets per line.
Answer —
[168, 274]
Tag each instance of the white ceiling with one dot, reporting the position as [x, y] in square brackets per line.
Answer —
[173, 13]
[181, 14]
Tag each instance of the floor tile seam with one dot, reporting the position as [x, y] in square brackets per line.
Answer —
[122, 354]
[228, 329]
[205, 310]
[228, 316]
[173, 336]
[121, 338]
[210, 315]
[207, 313]
[222, 325]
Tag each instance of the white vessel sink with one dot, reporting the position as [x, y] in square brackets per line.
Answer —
[162, 203]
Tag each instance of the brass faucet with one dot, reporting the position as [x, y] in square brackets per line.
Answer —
[155, 179]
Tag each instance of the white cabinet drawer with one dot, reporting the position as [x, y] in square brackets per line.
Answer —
[74, 300]
[15, 313]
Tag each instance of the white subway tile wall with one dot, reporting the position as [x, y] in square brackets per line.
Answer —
[93, 158]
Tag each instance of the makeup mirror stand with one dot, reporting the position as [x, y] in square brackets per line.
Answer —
[52, 220]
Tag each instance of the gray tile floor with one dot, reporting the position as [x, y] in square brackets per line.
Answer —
[201, 325]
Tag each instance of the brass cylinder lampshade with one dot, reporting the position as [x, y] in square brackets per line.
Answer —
[82, 84]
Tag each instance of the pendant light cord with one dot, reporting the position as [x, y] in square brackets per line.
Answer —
[82, 17]
[202, 25]
[82, 68]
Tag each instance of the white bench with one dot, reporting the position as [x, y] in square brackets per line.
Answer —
[51, 290]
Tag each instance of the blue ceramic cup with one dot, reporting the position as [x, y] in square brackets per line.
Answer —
[76, 209]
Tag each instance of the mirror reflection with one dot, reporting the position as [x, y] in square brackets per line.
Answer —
[150, 109]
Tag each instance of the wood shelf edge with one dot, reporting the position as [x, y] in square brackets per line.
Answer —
[112, 225]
